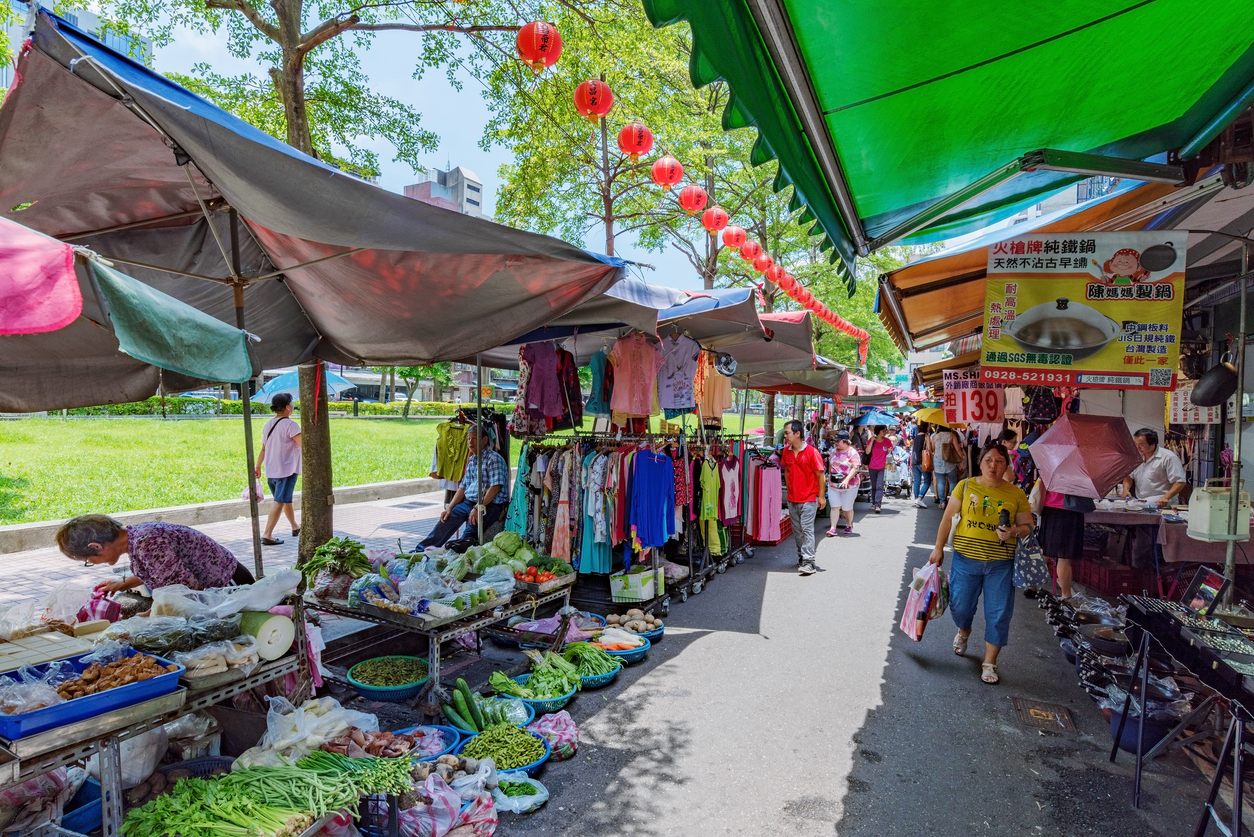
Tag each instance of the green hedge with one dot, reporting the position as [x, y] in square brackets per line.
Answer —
[176, 406]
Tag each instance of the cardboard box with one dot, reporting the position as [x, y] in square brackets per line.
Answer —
[637, 586]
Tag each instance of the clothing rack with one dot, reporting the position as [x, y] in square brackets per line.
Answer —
[592, 592]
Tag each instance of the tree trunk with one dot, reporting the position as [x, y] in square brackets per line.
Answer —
[607, 186]
[315, 426]
[768, 419]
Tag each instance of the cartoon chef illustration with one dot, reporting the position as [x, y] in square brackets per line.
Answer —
[1124, 268]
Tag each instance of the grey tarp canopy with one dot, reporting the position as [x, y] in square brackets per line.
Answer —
[98, 150]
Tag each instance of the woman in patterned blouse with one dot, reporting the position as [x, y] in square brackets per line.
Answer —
[161, 553]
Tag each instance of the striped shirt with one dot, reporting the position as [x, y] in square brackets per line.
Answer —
[976, 534]
[495, 472]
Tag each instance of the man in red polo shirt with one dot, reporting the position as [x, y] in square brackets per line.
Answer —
[803, 471]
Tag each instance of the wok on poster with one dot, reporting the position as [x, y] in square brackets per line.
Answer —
[968, 400]
[1085, 310]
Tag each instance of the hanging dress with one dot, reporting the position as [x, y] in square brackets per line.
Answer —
[516, 516]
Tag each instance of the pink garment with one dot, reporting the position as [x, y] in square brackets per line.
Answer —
[729, 496]
[282, 455]
[544, 391]
[38, 287]
[561, 524]
[770, 496]
[636, 363]
[1055, 500]
[880, 449]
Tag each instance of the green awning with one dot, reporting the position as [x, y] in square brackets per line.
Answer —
[878, 112]
[165, 332]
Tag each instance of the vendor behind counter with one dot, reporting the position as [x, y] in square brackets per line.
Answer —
[161, 553]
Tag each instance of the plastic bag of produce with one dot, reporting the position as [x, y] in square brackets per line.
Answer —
[27, 691]
[560, 731]
[99, 606]
[37, 802]
[433, 819]
[329, 584]
[548, 627]
[140, 756]
[18, 621]
[179, 600]
[521, 801]
[473, 784]
[296, 731]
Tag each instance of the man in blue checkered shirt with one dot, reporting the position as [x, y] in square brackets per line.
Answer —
[468, 502]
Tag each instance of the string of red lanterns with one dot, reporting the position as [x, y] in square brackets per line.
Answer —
[539, 46]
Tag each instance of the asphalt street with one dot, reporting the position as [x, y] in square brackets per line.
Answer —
[778, 704]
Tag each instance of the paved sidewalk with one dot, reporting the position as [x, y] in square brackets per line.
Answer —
[31, 575]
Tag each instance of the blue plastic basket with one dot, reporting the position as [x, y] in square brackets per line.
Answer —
[635, 655]
[36, 721]
[450, 735]
[391, 694]
[373, 821]
[531, 714]
[596, 681]
[530, 769]
[655, 634]
[82, 814]
[542, 707]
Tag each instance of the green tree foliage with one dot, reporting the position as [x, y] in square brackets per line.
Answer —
[440, 374]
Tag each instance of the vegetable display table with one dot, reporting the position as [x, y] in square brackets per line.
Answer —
[441, 632]
[103, 737]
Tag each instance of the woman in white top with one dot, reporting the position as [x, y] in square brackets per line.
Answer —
[947, 456]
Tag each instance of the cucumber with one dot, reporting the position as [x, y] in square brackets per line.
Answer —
[459, 703]
[457, 720]
[472, 702]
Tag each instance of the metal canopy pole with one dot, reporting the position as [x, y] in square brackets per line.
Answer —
[479, 428]
[237, 288]
[1230, 562]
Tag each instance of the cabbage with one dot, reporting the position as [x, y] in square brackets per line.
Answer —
[525, 555]
[509, 542]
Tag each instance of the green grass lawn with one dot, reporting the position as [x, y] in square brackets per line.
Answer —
[56, 468]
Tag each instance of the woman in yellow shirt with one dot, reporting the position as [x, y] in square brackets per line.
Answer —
[992, 515]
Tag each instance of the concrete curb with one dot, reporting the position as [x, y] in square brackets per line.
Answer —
[23, 536]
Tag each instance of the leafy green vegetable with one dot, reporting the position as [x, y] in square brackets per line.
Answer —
[508, 542]
[338, 555]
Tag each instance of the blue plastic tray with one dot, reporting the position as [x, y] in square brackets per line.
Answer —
[635, 655]
[450, 735]
[548, 704]
[13, 727]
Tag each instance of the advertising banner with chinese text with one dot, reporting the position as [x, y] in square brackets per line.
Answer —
[970, 401]
[1085, 310]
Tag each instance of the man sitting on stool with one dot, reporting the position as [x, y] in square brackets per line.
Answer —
[467, 503]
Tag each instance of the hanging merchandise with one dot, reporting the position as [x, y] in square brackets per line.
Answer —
[750, 250]
[452, 447]
[734, 236]
[539, 45]
[716, 397]
[594, 99]
[708, 485]
[729, 497]
[692, 198]
[677, 374]
[652, 514]
[602, 385]
[544, 391]
[635, 140]
[714, 219]
[636, 362]
[667, 171]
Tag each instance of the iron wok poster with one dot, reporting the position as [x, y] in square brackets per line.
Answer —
[1085, 310]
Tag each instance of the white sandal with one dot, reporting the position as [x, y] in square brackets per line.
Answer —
[988, 674]
[960, 644]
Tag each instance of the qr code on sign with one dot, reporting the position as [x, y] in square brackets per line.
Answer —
[1160, 377]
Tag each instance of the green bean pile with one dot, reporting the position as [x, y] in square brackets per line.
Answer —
[509, 746]
[389, 671]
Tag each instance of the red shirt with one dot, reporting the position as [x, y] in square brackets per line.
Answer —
[802, 472]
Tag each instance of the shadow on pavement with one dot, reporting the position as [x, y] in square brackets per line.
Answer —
[945, 754]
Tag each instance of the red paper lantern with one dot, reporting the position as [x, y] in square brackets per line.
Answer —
[734, 236]
[539, 45]
[803, 295]
[788, 283]
[763, 263]
[692, 198]
[667, 171]
[635, 140]
[774, 273]
[594, 99]
[750, 250]
[714, 219]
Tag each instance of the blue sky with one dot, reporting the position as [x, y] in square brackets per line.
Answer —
[456, 116]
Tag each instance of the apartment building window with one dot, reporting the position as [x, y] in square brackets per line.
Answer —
[470, 187]
[472, 202]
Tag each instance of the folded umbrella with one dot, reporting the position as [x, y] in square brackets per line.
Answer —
[1085, 455]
